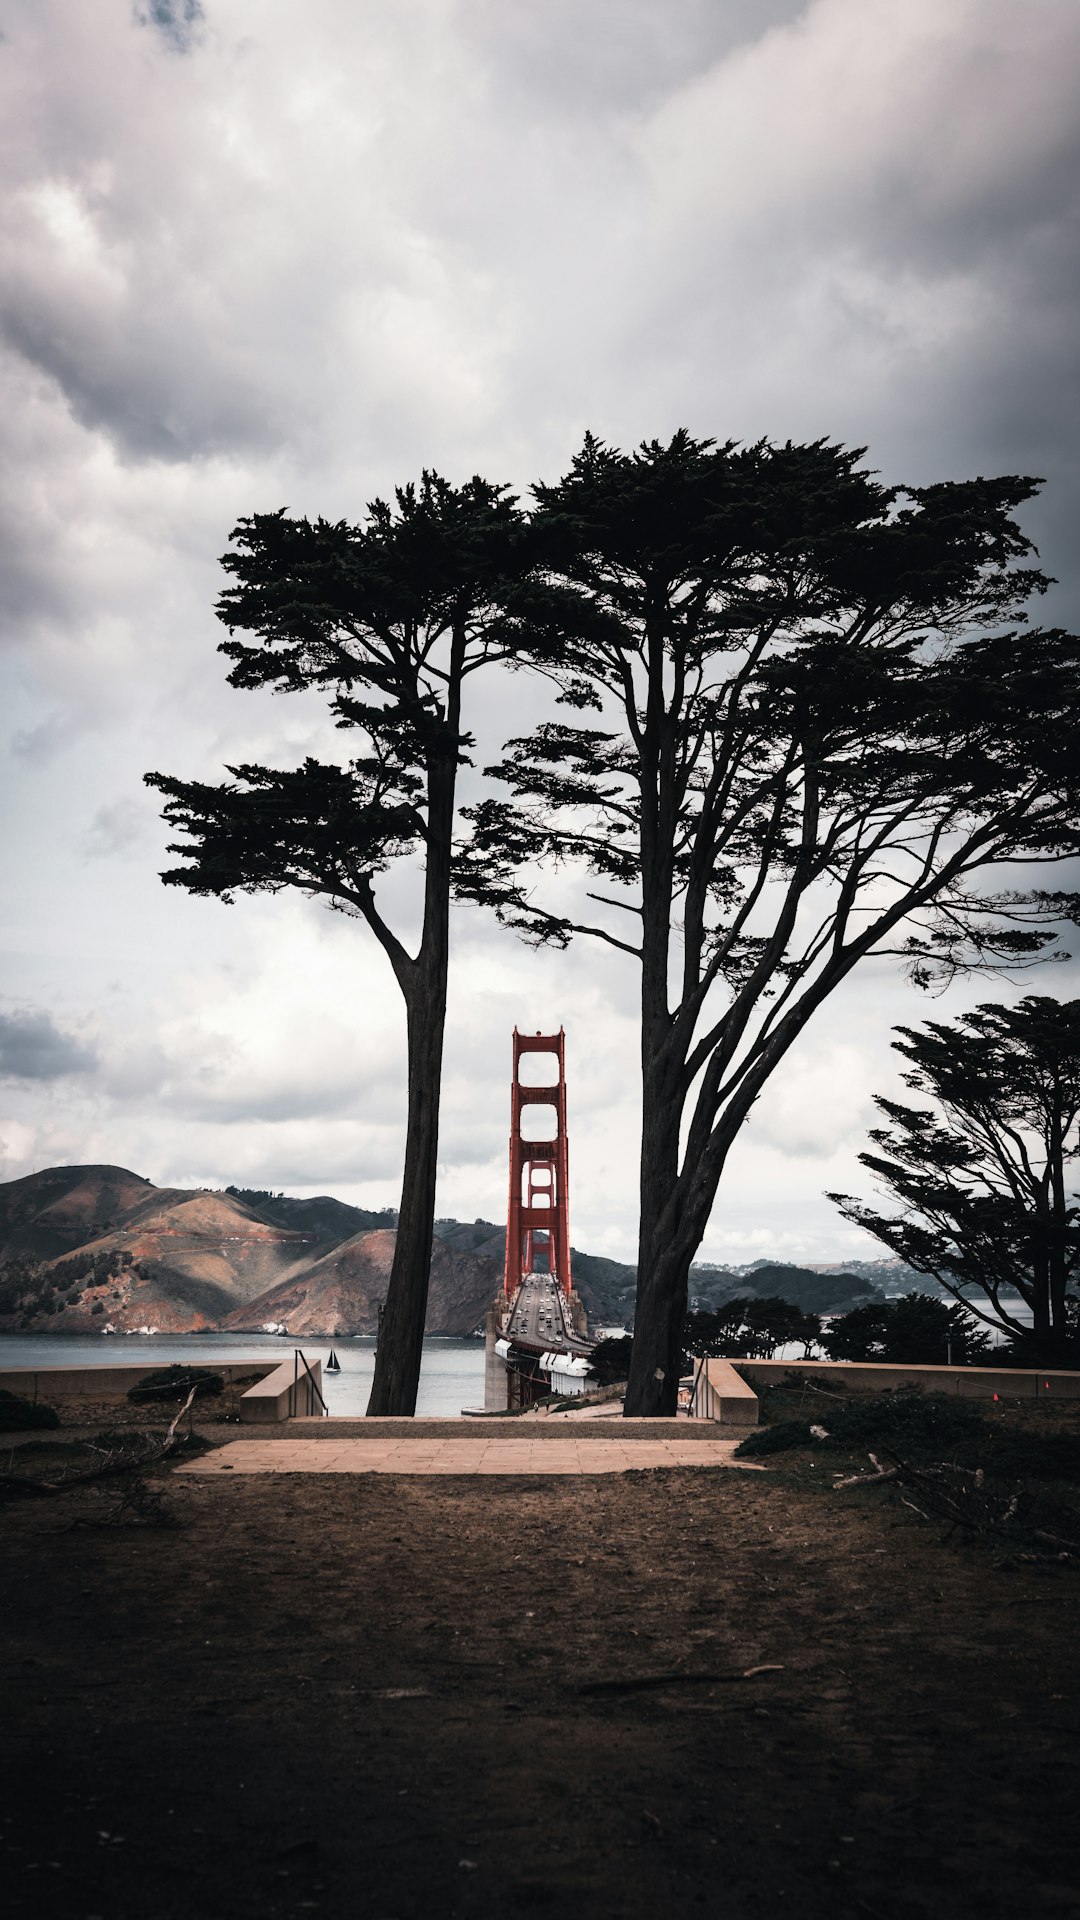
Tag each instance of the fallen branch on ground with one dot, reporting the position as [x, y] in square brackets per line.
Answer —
[962, 1497]
[867, 1479]
[20, 1486]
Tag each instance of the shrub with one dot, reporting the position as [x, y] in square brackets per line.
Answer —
[1031, 1456]
[609, 1361]
[912, 1424]
[19, 1416]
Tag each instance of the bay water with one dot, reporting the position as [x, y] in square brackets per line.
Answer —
[451, 1376]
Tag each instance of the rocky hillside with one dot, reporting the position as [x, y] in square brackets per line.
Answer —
[342, 1292]
[85, 1247]
[62, 1208]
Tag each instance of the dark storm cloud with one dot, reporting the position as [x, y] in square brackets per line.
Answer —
[132, 375]
[32, 1047]
[177, 21]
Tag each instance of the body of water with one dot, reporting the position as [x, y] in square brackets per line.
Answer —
[451, 1377]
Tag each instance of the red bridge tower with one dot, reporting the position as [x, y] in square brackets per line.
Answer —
[538, 1218]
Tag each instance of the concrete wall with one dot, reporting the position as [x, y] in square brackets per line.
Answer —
[285, 1394]
[281, 1392]
[719, 1393]
[110, 1383]
[973, 1383]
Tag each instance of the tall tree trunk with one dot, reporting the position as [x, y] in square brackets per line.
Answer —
[1058, 1261]
[423, 983]
[401, 1333]
[653, 1387]
[652, 1390]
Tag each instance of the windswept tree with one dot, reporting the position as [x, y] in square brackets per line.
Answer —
[820, 733]
[983, 1180]
[915, 1330]
[388, 618]
[750, 1328]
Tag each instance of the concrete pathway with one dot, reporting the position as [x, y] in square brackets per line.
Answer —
[469, 1454]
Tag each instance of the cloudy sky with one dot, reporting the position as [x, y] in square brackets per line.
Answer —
[260, 255]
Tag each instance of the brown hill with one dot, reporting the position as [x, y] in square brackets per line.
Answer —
[342, 1292]
[61, 1208]
[182, 1261]
[84, 1245]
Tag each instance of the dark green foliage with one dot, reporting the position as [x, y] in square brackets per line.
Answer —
[97, 1269]
[812, 727]
[749, 1329]
[388, 618]
[29, 1283]
[921, 1428]
[1028, 1349]
[176, 1382]
[915, 1425]
[981, 1177]
[916, 1330]
[1009, 1453]
[23, 1416]
[610, 1360]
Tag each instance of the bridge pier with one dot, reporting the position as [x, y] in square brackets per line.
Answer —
[496, 1375]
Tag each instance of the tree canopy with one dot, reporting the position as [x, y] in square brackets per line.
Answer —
[389, 618]
[915, 1330]
[983, 1179]
[750, 1329]
[820, 730]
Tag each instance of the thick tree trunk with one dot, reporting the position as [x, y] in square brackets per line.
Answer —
[652, 1391]
[401, 1332]
[663, 1258]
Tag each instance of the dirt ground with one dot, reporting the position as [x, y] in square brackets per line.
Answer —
[383, 1698]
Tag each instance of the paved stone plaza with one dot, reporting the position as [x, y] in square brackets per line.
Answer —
[471, 1453]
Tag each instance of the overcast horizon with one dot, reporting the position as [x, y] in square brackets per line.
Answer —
[261, 257]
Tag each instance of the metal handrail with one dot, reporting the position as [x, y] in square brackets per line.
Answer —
[699, 1375]
[298, 1356]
